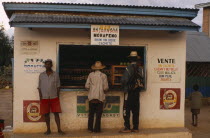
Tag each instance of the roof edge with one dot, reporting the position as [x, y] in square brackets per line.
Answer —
[108, 5]
[10, 7]
[202, 5]
[88, 26]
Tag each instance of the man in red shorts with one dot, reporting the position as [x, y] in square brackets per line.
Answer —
[49, 88]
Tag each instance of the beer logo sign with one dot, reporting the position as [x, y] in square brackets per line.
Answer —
[169, 98]
[31, 111]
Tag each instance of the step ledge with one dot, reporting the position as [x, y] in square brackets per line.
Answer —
[109, 133]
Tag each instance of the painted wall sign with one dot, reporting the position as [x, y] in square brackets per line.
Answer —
[111, 106]
[166, 69]
[31, 111]
[170, 98]
[34, 65]
[104, 35]
[29, 47]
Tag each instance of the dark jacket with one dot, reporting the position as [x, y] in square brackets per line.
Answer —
[196, 100]
[128, 73]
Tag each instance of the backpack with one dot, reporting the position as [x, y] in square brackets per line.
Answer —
[135, 81]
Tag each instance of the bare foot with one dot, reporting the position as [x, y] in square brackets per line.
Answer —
[48, 132]
[195, 125]
[61, 132]
[90, 131]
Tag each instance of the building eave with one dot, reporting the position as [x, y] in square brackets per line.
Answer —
[202, 5]
[122, 27]
[149, 11]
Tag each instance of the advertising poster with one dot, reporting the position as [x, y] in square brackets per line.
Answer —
[31, 111]
[111, 106]
[170, 98]
[165, 70]
[34, 65]
[29, 47]
[104, 35]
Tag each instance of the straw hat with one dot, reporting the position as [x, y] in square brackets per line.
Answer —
[134, 54]
[98, 65]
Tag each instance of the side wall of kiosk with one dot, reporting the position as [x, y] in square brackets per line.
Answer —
[157, 43]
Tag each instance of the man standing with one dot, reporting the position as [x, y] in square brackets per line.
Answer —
[97, 85]
[132, 82]
[49, 89]
[196, 103]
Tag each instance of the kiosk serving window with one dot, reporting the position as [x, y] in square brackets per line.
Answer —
[75, 63]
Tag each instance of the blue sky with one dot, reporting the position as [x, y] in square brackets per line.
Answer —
[167, 3]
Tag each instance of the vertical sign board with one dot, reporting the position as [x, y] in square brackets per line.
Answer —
[166, 70]
[169, 98]
[31, 111]
[104, 35]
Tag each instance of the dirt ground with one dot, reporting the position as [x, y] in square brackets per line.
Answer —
[6, 106]
[203, 128]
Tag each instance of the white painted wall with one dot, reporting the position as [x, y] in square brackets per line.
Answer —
[157, 42]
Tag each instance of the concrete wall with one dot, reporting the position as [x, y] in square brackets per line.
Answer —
[160, 43]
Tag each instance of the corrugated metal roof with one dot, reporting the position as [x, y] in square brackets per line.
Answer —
[118, 20]
[202, 5]
[107, 5]
[198, 47]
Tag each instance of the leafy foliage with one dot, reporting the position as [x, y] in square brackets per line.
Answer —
[6, 48]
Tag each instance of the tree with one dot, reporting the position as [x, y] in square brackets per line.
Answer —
[6, 48]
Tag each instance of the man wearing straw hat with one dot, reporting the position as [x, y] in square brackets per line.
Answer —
[97, 85]
[132, 82]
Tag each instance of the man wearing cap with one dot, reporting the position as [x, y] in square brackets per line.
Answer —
[131, 96]
[49, 89]
[97, 85]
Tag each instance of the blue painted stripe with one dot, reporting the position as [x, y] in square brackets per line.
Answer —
[166, 28]
[57, 60]
[48, 25]
[81, 99]
[204, 90]
[123, 27]
[102, 9]
[73, 90]
[12, 59]
[145, 68]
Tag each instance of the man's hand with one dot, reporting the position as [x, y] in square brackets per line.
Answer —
[105, 91]
[40, 94]
[87, 89]
[58, 92]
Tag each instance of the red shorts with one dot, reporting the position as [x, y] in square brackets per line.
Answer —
[50, 104]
